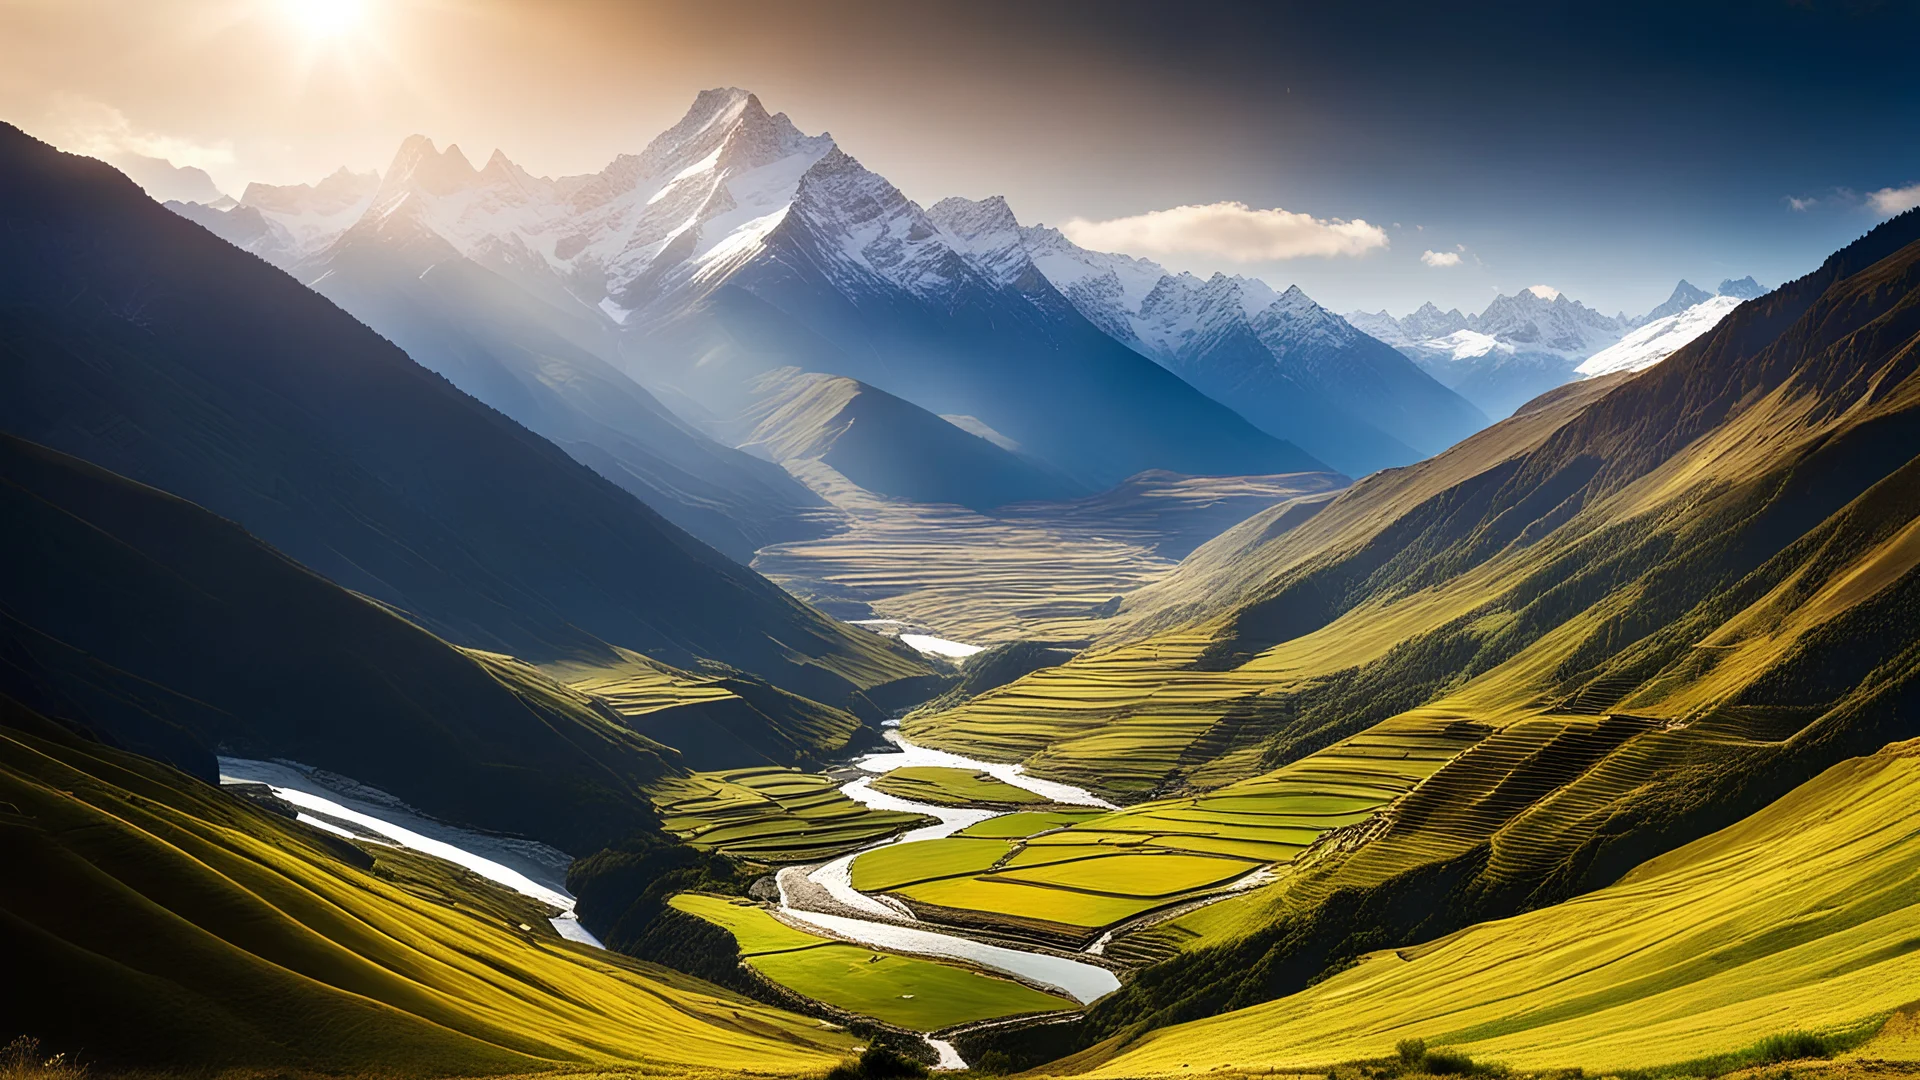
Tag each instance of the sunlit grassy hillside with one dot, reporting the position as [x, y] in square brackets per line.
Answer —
[150, 920]
[1641, 610]
[1804, 917]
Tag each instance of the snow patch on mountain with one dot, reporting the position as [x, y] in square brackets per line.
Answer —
[1660, 338]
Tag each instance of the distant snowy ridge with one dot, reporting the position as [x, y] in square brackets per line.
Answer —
[1528, 343]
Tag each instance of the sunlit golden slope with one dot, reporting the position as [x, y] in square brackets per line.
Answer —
[1805, 916]
[1644, 610]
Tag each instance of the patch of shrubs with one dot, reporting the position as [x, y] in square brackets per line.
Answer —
[878, 1063]
[1413, 1057]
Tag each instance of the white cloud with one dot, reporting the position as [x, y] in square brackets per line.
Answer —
[99, 130]
[1230, 230]
[1544, 292]
[1802, 205]
[1889, 201]
[1440, 258]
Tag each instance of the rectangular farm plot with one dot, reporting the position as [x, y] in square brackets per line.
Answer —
[1150, 876]
[903, 864]
[1019, 900]
[1025, 823]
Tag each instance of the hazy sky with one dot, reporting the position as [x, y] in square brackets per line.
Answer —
[1604, 149]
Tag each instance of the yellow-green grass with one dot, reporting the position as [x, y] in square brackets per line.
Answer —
[1021, 901]
[1025, 823]
[753, 928]
[169, 925]
[923, 860]
[771, 815]
[1804, 916]
[906, 991]
[952, 787]
[1148, 875]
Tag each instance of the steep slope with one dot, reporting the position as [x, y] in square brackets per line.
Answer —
[889, 446]
[548, 367]
[136, 340]
[1295, 369]
[1803, 917]
[176, 634]
[153, 922]
[1638, 611]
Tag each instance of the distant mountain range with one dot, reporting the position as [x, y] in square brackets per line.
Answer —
[738, 240]
[731, 247]
[1526, 344]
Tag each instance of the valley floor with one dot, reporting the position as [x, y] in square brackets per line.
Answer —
[1034, 571]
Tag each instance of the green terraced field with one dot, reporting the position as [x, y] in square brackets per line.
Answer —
[922, 995]
[903, 864]
[771, 815]
[1805, 916]
[1162, 853]
[952, 787]
[1025, 823]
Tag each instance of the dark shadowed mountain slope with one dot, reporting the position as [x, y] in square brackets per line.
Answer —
[176, 634]
[137, 340]
[889, 446]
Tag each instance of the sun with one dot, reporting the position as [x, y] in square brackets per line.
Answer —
[325, 18]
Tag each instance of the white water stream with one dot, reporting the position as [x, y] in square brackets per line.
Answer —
[357, 812]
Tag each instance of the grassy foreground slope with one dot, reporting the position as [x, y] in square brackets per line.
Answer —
[152, 921]
[1643, 609]
[1803, 917]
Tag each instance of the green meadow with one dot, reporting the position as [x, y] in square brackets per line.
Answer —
[906, 991]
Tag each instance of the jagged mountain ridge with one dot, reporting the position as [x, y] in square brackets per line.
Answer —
[1286, 363]
[733, 223]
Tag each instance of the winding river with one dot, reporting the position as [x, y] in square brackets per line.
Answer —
[821, 898]
[883, 923]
